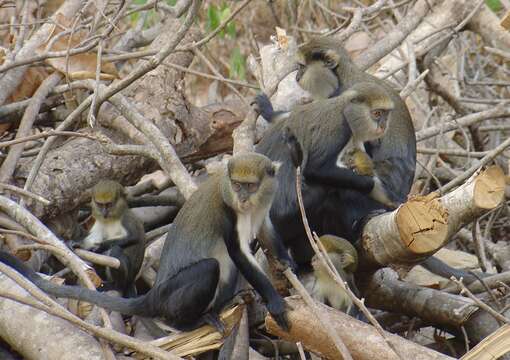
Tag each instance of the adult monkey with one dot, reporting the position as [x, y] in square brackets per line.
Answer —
[326, 70]
[208, 243]
[323, 129]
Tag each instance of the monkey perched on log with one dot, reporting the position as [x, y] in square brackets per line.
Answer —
[323, 129]
[117, 232]
[326, 70]
[205, 250]
[322, 286]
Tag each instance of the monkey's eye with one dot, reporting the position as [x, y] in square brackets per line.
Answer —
[236, 186]
[331, 64]
[253, 187]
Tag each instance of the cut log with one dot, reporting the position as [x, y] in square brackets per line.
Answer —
[362, 340]
[385, 292]
[424, 224]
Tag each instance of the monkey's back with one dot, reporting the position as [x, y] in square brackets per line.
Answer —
[197, 231]
[325, 140]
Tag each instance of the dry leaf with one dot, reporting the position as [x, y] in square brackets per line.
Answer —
[281, 38]
[76, 67]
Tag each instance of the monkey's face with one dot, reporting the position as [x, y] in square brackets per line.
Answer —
[316, 73]
[108, 200]
[368, 111]
[318, 79]
[251, 182]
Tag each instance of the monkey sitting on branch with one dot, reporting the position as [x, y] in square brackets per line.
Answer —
[321, 285]
[325, 70]
[116, 232]
[206, 249]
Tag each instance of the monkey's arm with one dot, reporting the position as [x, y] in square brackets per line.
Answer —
[249, 268]
[328, 173]
[271, 238]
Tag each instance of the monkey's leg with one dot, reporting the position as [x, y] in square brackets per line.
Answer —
[121, 277]
[187, 297]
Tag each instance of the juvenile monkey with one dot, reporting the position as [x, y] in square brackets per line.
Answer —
[117, 232]
[205, 250]
[323, 129]
[323, 287]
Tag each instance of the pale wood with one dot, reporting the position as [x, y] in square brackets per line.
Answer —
[37, 335]
[362, 340]
[424, 224]
[200, 340]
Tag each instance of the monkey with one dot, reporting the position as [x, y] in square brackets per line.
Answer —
[205, 250]
[323, 129]
[117, 232]
[325, 70]
[323, 287]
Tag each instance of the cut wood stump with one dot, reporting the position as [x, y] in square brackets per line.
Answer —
[424, 224]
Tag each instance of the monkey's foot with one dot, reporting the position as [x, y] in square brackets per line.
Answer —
[214, 320]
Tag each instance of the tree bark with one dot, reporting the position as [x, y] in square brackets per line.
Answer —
[362, 340]
[39, 336]
[424, 224]
[385, 292]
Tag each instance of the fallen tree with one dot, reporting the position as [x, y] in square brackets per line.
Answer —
[362, 340]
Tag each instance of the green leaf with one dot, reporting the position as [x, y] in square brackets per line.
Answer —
[213, 17]
[494, 5]
[237, 64]
[171, 2]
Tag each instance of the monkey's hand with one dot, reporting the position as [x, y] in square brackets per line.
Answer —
[278, 311]
[296, 152]
[74, 244]
[361, 163]
[285, 263]
[262, 106]
[378, 193]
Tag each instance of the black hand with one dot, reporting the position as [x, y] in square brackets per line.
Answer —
[277, 310]
[296, 152]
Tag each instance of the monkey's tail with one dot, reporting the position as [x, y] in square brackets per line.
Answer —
[133, 306]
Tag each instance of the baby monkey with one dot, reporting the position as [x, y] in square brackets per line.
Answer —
[322, 286]
[117, 232]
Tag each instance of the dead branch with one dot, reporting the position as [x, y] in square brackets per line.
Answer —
[362, 340]
[424, 224]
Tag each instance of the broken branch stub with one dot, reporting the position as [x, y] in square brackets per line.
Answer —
[424, 224]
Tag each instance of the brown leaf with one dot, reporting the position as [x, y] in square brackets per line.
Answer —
[80, 66]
